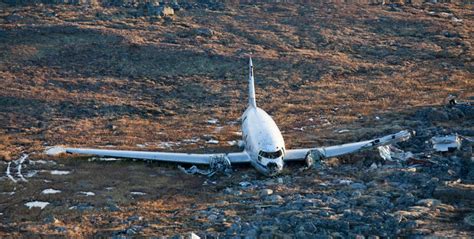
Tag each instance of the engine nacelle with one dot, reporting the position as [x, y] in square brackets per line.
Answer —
[312, 157]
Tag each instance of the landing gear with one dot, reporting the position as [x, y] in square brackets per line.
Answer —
[220, 164]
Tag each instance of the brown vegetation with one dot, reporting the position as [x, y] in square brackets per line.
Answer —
[97, 76]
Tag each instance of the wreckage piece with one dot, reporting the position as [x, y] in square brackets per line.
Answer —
[446, 143]
[312, 157]
[218, 164]
[338, 150]
[392, 153]
[19, 166]
[238, 157]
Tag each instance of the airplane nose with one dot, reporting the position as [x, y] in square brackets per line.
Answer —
[272, 167]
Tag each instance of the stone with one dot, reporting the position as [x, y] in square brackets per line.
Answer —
[265, 192]
[237, 193]
[228, 190]
[60, 229]
[166, 11]
[212, 217]
[469, 220]
[358, 186]
[433, 114]
[275, 198]
[467, 110]
[406, 199]
[222, 203]
[455, 192]
[429, 202]
[207, 32]
[455, 113]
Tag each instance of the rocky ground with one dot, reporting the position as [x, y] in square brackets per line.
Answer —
[151, 78]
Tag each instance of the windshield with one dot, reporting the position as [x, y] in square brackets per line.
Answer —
[270, 155]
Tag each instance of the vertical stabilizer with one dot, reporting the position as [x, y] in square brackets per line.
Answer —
[252, 102]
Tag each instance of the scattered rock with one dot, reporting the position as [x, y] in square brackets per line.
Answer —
[13, 18]
[428, 202]
[60, 229]
[358, 186]
[205, 32]
[469, 220]
[433, 114]
[212, 217]
[245, 184]
[275, 198]
[265, 192]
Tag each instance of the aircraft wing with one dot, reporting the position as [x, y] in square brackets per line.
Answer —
[337, 150]
[239, 157]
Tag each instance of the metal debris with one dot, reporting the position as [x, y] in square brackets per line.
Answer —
[217, 164]
[19, 166]
[195, 170]
[8, 173]
[312, 157]
[53, 151]
[245, 184]
[36, 204]
[392, 153]
[19, 162]
[446, 143]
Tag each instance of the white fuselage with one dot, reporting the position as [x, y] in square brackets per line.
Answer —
[263, 141]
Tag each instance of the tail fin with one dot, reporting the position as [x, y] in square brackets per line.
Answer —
[252, 102]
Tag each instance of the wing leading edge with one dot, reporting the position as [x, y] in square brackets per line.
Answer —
[240, 157]
[337, 150]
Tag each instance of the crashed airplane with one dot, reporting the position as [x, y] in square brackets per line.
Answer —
[264, 147]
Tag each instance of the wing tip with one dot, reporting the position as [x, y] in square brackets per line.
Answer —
[55, 150]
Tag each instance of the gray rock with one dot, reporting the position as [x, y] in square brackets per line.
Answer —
[113, 207]
[275, 198]
[455, 113]
[429, 202]
[251, 233]
[358, 186]
[469, 220]
[60, 229]
[406, 199]
[14, 18]
[134, 218]
[228, 190]
[212, 217]
[265, 192]
[433, 114]
[237, 193]
[467, 110]
[49, 219]
[356, 194]
[222, 203]
[205, 32]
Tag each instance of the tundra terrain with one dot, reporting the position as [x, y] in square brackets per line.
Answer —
[92, 75]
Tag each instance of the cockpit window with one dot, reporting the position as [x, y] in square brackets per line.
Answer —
[270, 155]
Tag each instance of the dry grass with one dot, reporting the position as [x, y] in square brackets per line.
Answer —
[99, 77]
